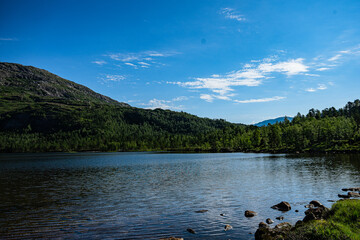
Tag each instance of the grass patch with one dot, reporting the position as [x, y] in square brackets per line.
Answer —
[343, 222]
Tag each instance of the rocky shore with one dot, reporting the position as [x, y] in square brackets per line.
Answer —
[316, 217]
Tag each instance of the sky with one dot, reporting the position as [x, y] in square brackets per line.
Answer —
[243, 61]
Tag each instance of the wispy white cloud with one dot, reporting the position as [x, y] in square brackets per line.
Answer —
[319, 87]
[261, 100]
[144, 63]
[310, 90]
[312, 74]
[340, 54]
[131, 65]
[323, 69]
[141, 59]
[207, 97]
[8, 39]
[251, 75]
[165, 104]
[322, 87]
[211, 97]
[291, 67]
[112, 78]
[101, 62]
[232, 14]
[345, 51]
[181, 98]
[334, 58]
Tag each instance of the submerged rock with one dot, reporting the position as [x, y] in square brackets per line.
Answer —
[283, 206]
[351, 189]
[190, 230]
[227, 227]
[249, 213]
[201, 211]
[171, 238]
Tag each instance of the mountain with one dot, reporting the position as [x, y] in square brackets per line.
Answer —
[40, 111]
[273, 121]
[34, 84]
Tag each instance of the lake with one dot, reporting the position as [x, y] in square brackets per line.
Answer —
[155, 195]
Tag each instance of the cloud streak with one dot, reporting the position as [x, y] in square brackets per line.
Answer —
[112, 78]
[8, 39]
[144, 59]
[165, 104]
[100, 62]
[319, 87]
[251, 75]
[232, 14]
[261, 100]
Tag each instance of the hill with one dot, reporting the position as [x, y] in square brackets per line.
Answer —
[40, 111]
[272, 121]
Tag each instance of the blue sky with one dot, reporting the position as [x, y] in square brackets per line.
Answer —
[243, 61]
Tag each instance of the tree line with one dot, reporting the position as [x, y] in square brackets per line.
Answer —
[102, 127]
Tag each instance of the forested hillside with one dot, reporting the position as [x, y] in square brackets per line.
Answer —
[42, 112]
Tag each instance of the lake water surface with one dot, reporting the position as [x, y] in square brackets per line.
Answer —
[155, 195]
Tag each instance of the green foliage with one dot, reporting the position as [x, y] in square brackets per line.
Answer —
[343, 222]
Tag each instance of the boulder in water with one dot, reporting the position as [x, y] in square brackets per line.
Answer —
[227, 227]
[283, 206]
[249, 213]
[269, 221]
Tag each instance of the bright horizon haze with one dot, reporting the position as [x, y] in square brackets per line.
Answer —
[243, 61]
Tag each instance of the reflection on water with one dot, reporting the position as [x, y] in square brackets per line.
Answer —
[149, 196]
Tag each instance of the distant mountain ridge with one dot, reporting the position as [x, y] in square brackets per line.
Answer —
[272, 121]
